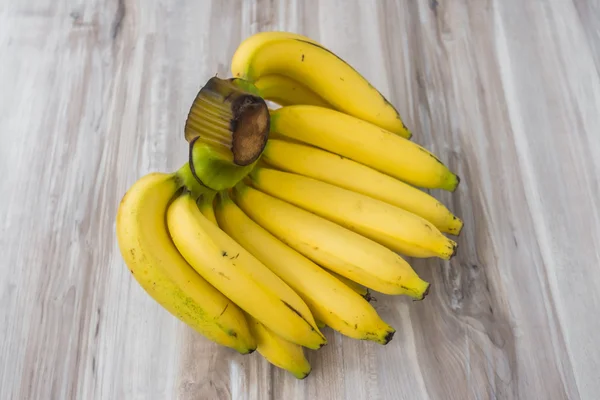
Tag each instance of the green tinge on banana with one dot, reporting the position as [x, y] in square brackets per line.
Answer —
[328, 167]
[164, 274]
[365, 143]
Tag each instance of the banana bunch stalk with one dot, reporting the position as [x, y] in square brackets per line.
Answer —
[283, 221]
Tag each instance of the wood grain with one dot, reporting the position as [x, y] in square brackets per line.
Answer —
[95, 94]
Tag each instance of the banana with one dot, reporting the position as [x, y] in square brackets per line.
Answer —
[389, 225]
[286, 91]
[305, 60]
[206, 207]
[331, 245]
[365, 143]
[331, 301]
[357, 287]
[272, 347]
[162, 272]
[340, 171]
[239, 276]
[278, 351]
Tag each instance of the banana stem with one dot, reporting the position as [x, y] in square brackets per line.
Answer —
[227, 130]
[191, 183]
[230, 116]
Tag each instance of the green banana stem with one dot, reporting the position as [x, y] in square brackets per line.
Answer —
[190, 183]
[227, 129]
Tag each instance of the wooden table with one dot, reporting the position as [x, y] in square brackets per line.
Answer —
[507, 92]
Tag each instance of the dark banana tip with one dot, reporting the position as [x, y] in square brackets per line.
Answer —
[305, 375]
[454, 251]
[388, 338]
[457, 183]
[426, 292]
[250, 351]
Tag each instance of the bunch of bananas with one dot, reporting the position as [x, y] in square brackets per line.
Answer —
[284, 217]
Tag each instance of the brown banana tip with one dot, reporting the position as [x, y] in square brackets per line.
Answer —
[426, 292]
[457, 183]
[251, 351]
[454, 251]
[306, 374]
[388, 337]
[368, 296]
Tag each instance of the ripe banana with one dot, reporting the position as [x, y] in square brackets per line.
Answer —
[389, 225]
[357, 287]
[275, 349]
[162, 272]
[205, 204]
[278, 351]
[239, 276]
[331, 245]
[343, 172]
[330, 301]
[306, 61]
[286, 91]
[365, 143]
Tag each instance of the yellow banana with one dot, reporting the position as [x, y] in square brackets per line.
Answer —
[206, 207]
[363, 142]
[272, 347]
[239, 276]
[286, 91]
[389, 225]
[305, 60]
[331, 245]
[343, 172]
[330, 301]
[162, 272]
[357, 287]
[278, 351]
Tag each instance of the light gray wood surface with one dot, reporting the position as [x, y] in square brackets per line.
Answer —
[94, 94]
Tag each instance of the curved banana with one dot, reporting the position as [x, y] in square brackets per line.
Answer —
[343, 172]
[389, 225]
[365, 143]
[162, 272]
[357, 287]
[331, 245]
[239, 276]
[326, 74]
[272, 347]
[331, 301]
[286, 91]
[278, 351]
[254, 267]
